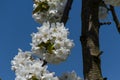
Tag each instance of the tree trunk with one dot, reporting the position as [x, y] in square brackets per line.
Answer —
[90, 40]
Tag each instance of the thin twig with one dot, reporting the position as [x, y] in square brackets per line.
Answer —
[115, 18]
[66, 11]
[44, 63]
[105, 23]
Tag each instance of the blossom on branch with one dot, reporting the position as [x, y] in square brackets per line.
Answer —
[113, 2]
[50, 43]
[48, 10]
[69, 76]
[28, 68]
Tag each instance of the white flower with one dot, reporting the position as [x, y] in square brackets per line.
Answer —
[51, 42]
[27, 67]
[69, 76]
[48, 10]
[113, 2]
[20, 59]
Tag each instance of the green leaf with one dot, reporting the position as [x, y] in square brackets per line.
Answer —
[33, 78]
[42, 6]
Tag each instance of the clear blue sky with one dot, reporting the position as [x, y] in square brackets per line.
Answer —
[16, 25]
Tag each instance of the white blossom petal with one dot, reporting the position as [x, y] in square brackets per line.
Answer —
[55, 46]
[27, 67]
[52, 14]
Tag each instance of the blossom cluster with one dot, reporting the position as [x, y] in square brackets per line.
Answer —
[51, 43]
[113, 2]
[28, 68]
[103, 10]
[69, 76]
[48, 10]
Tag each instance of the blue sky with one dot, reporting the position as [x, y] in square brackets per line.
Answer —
[16, 25]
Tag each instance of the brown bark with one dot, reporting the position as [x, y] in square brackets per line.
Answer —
[90, 40]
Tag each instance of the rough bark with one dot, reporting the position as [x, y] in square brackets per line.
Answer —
[90, 40]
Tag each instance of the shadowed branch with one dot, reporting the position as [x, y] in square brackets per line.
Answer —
[66, 11]
[115, 18]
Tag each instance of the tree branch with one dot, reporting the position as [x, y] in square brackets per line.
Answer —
[90, 40]
[66, 11]
[115, 18]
